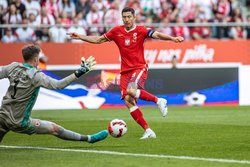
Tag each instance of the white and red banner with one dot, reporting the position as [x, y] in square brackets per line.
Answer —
[156, 52]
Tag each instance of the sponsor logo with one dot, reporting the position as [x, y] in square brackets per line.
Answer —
[200, 53]
[161, 56]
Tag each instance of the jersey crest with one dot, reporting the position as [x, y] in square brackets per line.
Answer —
[127, 42]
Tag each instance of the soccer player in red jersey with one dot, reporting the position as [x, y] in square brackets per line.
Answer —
[130, 39]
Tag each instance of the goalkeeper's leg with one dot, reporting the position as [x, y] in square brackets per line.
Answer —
[47, 127]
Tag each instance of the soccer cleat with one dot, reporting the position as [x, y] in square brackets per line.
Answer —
[149, 133]
[98, 136]
[162, 105]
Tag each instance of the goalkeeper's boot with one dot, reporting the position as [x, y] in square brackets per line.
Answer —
[149, 133]
[162, 105]
[98, 136]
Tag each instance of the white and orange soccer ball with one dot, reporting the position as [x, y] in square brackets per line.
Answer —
[117, 128]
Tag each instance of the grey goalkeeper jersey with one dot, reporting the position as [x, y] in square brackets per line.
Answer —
[20, 98]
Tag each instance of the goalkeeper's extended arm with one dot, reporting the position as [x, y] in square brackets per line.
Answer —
[47, 82]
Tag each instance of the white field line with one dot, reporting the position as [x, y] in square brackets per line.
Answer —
[129, 154]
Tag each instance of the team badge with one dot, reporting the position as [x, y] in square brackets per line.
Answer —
[127, 42]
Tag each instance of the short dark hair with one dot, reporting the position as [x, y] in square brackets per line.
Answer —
[30, 52]
[128, 9]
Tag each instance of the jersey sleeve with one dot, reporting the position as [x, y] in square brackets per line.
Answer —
[110, 35]
[147, 32]
[4, 70]
[42, 80]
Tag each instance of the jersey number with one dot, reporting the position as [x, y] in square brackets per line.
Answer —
[16, 81]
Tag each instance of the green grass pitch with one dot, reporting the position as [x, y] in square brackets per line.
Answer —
[207, 132]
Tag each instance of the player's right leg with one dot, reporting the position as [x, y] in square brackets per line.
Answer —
[47, 127]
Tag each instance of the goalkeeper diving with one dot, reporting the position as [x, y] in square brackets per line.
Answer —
[25, 81]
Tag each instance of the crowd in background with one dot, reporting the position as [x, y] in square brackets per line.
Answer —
[44, 18]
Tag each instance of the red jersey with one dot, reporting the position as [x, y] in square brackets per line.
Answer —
[130, 44]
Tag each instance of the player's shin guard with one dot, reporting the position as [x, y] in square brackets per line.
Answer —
[138, 117]
[144, 95]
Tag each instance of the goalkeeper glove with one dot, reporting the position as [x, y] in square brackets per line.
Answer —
[86, 66]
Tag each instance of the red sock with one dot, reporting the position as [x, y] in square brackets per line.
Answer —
[138, 117]
[144, 95]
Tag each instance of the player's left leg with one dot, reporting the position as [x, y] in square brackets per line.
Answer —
[47, 127]
[144, 95]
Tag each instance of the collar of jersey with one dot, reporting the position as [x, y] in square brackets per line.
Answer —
[131, 29]
[27, 65]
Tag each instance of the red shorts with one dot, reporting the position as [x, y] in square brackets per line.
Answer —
[138, 76]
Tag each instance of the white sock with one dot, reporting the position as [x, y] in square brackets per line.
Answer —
[158, 100]
[88, 138]
[133, 108]
[137, 94]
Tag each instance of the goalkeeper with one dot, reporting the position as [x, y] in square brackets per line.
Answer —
[25, 81]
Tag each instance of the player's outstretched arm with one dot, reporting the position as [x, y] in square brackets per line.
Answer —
[90, 39]
[162, 36]
[47, 82]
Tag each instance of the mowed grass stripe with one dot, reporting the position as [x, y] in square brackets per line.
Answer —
[129, 154]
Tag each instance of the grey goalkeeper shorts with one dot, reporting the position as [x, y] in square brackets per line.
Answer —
[6, 124]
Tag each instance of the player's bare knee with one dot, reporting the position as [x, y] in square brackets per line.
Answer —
[131, 92]
[126, 99]
[129, 101]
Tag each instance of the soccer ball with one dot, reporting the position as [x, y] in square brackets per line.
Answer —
[117, 128]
